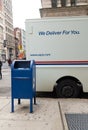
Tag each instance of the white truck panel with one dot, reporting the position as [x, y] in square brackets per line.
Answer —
[54, 39]
[60, 48]
[46, 76]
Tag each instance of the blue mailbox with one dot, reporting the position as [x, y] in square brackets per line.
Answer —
[23, 82]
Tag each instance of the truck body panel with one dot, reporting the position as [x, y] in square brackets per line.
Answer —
[60, 48]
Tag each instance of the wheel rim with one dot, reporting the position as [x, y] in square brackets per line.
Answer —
[67, 91]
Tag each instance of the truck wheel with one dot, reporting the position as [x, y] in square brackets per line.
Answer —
[67, 89]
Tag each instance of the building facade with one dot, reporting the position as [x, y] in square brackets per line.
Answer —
[19, 35]
[2, 29]
[55, 8]
[23, 41]
[9, 31]
[7, 46]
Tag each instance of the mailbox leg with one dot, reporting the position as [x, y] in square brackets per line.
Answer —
[12, 105]
[19, 101]
[31, 105]
[35, 100]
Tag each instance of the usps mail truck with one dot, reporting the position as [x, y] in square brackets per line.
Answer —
[60, 48]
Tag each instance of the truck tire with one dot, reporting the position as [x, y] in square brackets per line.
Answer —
[67, 88]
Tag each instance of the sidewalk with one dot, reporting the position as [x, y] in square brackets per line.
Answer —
[5, 66]
[46, 115]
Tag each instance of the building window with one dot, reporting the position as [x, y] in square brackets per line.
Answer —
[73, 2]
[63, 3]
[54, 3]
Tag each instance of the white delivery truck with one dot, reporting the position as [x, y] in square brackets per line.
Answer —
[60, 48]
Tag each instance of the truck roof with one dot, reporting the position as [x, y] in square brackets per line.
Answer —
[58, 18]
